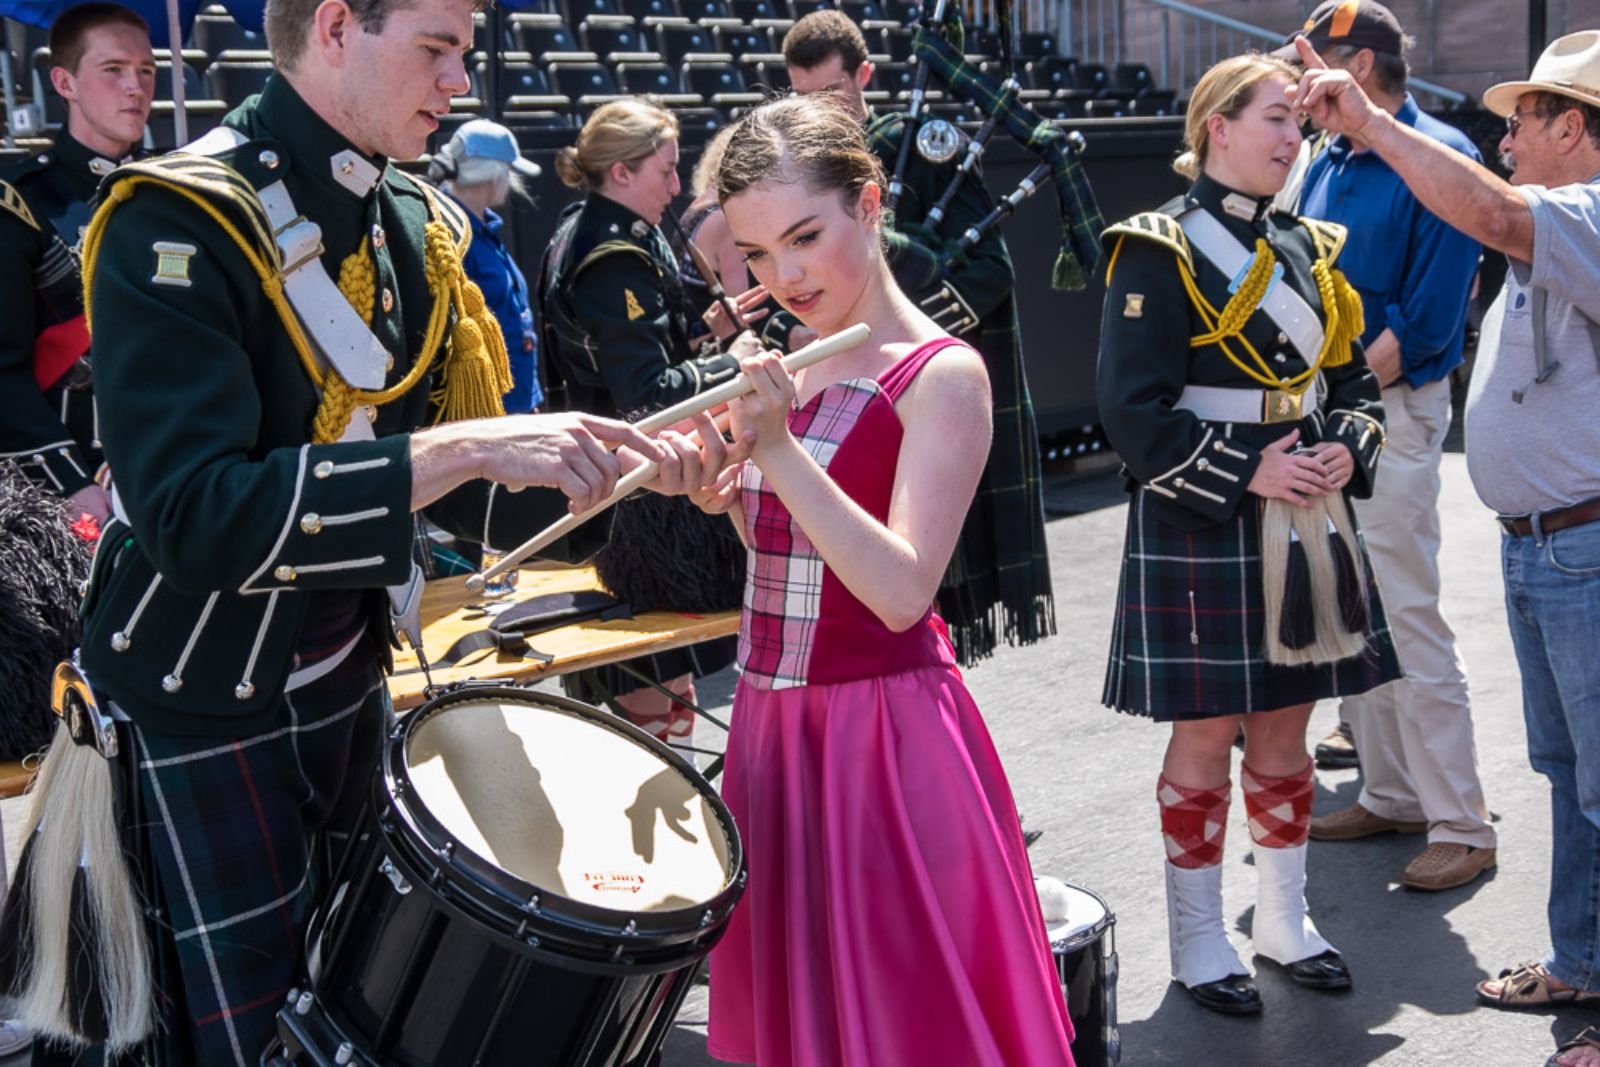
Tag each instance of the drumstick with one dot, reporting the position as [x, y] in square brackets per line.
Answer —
[641, 475]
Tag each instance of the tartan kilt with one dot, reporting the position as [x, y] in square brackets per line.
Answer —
[1187, 642]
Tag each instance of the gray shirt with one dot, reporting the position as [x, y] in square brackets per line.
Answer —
[1544, 451]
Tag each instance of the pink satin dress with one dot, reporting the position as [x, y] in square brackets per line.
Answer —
[890, 917]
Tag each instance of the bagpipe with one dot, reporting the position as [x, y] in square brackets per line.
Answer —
[937, 49]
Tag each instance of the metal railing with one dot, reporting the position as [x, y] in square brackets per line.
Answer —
[1178, 41]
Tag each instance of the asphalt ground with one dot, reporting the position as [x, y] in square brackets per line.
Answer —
[1086, 777]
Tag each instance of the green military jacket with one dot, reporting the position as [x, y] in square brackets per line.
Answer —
[48, 429]
[1199, 470]
[233, 528]
[615, 318]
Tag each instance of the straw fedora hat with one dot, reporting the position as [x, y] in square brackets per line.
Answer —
[1570, 66]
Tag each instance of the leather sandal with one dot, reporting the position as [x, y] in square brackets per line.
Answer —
[1526, 987]
[1589, 1038]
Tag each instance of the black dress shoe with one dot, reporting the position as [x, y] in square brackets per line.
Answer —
[1325, 971]
[1234, 995]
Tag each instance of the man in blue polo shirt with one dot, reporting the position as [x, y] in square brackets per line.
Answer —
[1414, 274]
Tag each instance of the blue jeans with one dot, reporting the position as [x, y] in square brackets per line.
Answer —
[1553, 605]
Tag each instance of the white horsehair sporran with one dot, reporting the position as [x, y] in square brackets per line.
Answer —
[1314, 582]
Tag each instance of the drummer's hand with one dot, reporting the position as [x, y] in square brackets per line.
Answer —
[699, 456]
[570, 451]
[748, 304]
[764, 411]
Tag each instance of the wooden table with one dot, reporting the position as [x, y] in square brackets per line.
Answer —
[447, 614]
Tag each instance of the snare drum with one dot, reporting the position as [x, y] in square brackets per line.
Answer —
[534, 883]
[1084, 946]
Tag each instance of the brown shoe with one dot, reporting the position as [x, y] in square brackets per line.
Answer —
[1338, 749]
[1356, 821]
[1445, 865]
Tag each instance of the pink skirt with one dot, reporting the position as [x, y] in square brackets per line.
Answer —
[890, 917]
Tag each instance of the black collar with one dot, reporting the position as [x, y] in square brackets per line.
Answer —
[1225, 203]
[320, 152]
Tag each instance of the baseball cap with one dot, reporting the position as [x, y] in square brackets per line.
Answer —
[486, 140]
[1357, 23]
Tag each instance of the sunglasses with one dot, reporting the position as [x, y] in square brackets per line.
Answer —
[1515, 120]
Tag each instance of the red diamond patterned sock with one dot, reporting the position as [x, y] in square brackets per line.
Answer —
[1193, 822]
[1279, 809]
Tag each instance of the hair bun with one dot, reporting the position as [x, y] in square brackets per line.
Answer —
[567, 168]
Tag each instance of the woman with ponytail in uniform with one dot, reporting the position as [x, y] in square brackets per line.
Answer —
[1233, 386]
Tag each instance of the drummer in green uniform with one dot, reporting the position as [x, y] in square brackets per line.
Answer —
[102, 66]
[998, 586]
[290, 362]
[617, 333]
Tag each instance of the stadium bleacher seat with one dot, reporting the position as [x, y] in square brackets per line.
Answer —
[897, 43]
[1134, 76]
[519, 76]
[195, 62]
[644, 9]
[750, 10]
[678, 40]
[538, 34]
[700, 118]
[700, 10]
[578, 10]
[233, 80]
[799, 9]
[711, 75]
[605, 34]
[1155, 102]
[1092, 76]
[904, 12]
[161, 132]
[983, 42]
[1107, 108]
[746, 41]
[214, 34]
[579, 80]
[894, 77]
[1054, 73]
[771, 73]
[862, 10]
[655, 78]
[1036, 45]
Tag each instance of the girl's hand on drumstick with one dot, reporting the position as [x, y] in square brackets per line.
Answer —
[750, 310]
[763, 412]
[1291, 476]
[699, 457]
[720, 497]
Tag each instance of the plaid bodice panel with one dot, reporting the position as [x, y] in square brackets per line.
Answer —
[800, 625]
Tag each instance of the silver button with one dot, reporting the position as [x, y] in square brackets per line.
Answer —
[1202, 463]
[268, 158]
[388, 300]
[121, 642]
[311, 522]
[372, 412]
[1217, 446]
[323, 469]
[284, 573]
[347, 167]
[1177, 483]
[38, 457]
[378, 236]
[172, 683]
[1283, 338]
[1279, 357]
[244, 691]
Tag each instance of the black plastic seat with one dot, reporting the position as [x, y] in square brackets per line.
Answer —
[538, 34]
[657, 78]
[677, 41]
[215, 34]
[1134, 76]
[233, 81]
[894, 77]
[699, 10]
[605, 34]
[711, 76]
[799, 9]
[518, 78]
[1054, 73]
[578, 10]
[750, 10]
[579, 80]
[645, 9]
[861, 10]
[747, 40]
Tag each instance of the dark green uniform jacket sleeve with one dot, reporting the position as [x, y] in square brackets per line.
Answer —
[1355, 418]
[214, 510]
[31, 433]
[1144, 363]
[620, 304]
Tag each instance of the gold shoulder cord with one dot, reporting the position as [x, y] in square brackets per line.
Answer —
[473, 380]
[1341, 308]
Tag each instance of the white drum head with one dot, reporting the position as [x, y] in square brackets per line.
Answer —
[1085, 912]
[568, 806]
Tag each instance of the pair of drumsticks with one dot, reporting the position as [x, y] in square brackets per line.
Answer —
[815, 352]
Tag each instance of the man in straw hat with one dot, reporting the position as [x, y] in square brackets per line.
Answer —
[1414, 273]
[1532, 439]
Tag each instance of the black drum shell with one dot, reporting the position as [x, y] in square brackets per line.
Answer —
[429, 955]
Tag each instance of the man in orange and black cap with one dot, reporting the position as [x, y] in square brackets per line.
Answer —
[1414, 272]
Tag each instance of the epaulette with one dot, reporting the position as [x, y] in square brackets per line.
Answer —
[608, 248]
[207, 176]
[1329, 238]
[1154, 226]
[445, 210]
[11, 201]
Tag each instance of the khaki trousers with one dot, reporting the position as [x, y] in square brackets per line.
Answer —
[1414, 735]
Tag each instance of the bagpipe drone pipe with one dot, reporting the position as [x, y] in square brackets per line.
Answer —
[937, 48]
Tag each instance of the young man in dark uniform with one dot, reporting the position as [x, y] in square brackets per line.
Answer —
[998, 584]
[266, 479]
[103, 68]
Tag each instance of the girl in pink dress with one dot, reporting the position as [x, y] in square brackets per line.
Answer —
[890, 917]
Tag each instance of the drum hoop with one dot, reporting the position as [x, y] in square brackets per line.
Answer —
[494, 888]
[1095, 931]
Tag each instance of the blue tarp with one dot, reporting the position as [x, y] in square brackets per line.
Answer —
[43, 12]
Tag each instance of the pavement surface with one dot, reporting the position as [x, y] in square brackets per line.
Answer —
[1086, 777]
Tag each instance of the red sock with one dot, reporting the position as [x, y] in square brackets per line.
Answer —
[1193, 822]
[1279, 809]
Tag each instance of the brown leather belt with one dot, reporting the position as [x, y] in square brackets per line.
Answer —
[1551, 521]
